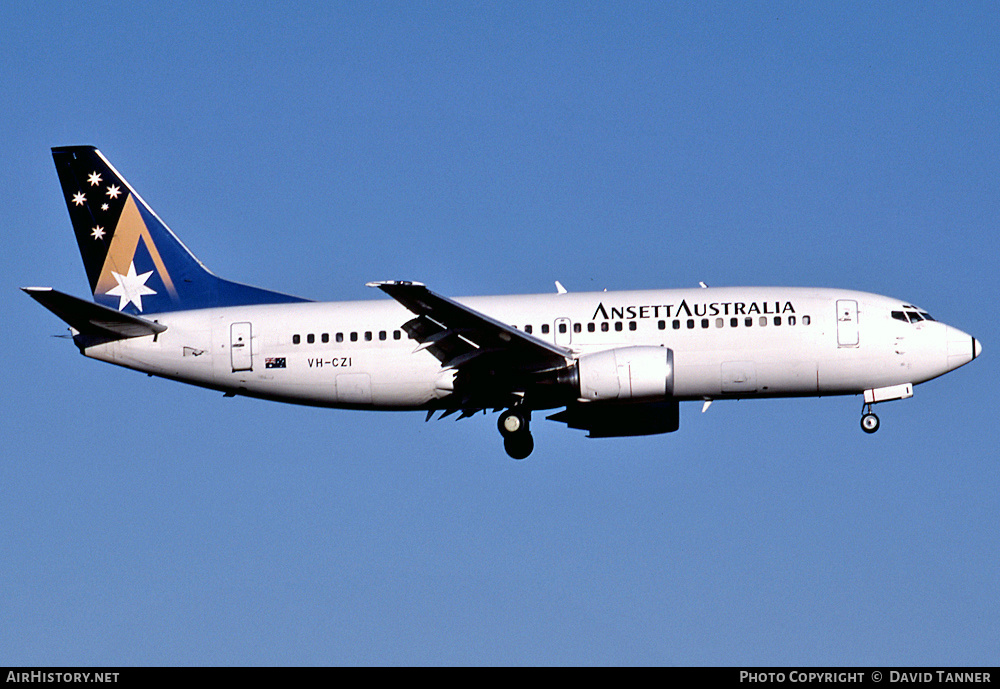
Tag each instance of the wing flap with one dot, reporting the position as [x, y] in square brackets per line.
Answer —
[92, 319]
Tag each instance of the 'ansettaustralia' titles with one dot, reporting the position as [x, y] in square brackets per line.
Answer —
[715, 308]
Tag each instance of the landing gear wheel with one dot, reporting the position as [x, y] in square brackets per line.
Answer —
[519, 446]
[512, 423]
[869, 423]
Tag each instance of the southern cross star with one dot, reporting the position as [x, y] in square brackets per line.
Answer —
[113, 191]
[98, 232]
[94, 179]
[130, 287]
[79, 199]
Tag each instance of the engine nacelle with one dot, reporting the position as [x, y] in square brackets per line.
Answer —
[627, 373]
[620, 419]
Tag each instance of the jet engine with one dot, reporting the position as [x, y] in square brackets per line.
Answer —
[626, 373]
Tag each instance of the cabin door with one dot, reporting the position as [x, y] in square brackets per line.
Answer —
[847, 323]
[239, 347]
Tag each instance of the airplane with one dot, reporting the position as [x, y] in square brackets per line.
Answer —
[613, 364]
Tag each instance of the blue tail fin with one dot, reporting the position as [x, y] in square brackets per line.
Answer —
[134, 262]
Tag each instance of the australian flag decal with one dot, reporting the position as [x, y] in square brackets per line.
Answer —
[274, 362]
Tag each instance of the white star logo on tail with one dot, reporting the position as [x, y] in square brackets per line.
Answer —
[94, 179]
[130, 287]
[79, 199]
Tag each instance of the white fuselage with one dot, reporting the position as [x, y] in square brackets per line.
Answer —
[726, 342]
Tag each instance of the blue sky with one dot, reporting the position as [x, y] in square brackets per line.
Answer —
[489, 149]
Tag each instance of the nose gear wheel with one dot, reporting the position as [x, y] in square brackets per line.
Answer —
[869, 422]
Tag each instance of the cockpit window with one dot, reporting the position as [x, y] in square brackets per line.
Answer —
[914, 316]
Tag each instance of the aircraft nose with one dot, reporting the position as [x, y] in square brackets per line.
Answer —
[962, 348]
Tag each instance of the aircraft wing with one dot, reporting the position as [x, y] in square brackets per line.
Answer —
[93, 319]
[460, 337]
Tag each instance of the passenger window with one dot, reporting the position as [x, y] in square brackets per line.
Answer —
[382, 335]
[618, 326]
[763, 321]
[777, 320]
[662, 325]
[806, 320]
[676, 324]
[690, 323]
[310, 338]
[605, 327]
[339, 337]
[545, 329]
[719, 323]
[734, 322]
[368, 336]
[396, 335]
[563, 329]
[528, 329]
[354, 337]
[749, 321]
[577, 328]
[325, 337]
[632, 325]
[791, 320]
[704, 322]
[296, 339]
[591, 327]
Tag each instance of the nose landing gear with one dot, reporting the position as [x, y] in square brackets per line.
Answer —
[869, 422]
[513, 425]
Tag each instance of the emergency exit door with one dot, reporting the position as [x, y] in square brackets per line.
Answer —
[240, 348]
[563, 329]
[847, 323]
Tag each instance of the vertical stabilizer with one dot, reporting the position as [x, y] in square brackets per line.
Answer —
[134, 262]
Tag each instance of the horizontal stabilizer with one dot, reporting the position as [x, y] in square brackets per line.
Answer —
[93, 319]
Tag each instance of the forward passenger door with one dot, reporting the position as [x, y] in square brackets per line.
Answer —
[847, 323]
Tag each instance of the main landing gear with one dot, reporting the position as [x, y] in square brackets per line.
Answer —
[513, 425]
[869, 422]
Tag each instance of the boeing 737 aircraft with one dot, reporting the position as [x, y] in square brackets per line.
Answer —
[610, 363]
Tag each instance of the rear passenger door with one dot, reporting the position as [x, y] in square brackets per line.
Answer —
[240, 347]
